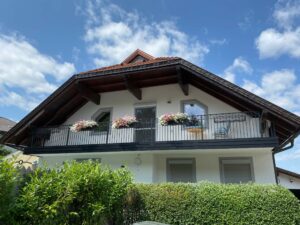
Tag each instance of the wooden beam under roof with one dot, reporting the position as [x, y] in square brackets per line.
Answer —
[63, 109]
[88, 93]
[133, 88]
[182, 81]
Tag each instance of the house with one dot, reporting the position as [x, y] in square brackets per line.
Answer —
[290, 180]
[5, 125]
[226, 133]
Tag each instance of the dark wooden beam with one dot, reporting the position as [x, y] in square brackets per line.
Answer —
[222, 96]
[88, 93]
[64, 109]
[182, 81]
[131, 86]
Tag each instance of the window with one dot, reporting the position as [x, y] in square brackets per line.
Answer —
[236, 170]
[181, 170]
[87, 159]
[196, 111]
[103, 118]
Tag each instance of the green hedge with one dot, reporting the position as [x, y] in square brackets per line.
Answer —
[77, 193]
[9, 179]
[88, 193]
[208, 203]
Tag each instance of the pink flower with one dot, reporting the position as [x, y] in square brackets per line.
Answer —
[124, 122]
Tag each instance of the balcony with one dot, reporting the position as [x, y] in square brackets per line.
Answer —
[218, 131]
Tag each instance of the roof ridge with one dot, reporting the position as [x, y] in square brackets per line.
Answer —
[133, 64]
[135, 54]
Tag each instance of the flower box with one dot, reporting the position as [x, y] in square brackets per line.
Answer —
[84, 125]
[124, 122]
[173, 119]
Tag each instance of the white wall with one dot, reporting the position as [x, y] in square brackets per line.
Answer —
[285, 181]
[153, 166]
[123, 102]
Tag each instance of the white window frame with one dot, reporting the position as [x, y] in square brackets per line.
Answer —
[235, 160]
[169, 162]
[203, 106]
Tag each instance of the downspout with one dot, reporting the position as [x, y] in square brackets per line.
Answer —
[290, 141]
[274, 167]
[282, 148]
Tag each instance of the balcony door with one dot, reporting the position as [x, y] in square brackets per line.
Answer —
[145, 128]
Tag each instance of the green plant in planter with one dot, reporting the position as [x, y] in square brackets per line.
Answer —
[194, 121]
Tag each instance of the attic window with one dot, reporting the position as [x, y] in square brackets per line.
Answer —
[138, 59]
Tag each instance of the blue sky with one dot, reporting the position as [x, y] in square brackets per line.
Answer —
[253, 44]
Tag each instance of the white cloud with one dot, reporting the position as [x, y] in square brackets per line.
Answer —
[288, 155]
[247, 21]
[279, 87]
[11, 98]
[239, 65]
[274, 42]
[218, 41]
[23, 69]
[286, 12]
[113, 33]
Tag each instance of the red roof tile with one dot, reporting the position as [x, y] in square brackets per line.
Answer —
[128, 62]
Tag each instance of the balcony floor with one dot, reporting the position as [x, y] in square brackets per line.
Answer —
[161, 145]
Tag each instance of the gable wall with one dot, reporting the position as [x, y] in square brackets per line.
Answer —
[123, 102]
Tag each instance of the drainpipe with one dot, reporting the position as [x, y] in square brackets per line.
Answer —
[290, 141]
[282, 148]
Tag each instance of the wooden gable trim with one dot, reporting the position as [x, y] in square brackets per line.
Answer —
[182, 81]
[132, 87]
[88, 93]
[137, 53]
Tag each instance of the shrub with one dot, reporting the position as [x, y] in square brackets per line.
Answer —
[78, 193]
[208, 203]
[9, 178]
[3, 151]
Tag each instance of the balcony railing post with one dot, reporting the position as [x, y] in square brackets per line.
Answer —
[68, 135]
[107, 132]
[260, 125]
[31, 128]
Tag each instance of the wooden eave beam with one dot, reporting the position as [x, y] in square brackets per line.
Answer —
[182, 81]
[132, 88]
[222, 96]
[88, 93]
[63, 109]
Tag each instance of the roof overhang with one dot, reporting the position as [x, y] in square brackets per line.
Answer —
[84, 87]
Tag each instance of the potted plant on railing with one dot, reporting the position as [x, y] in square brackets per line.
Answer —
[83, 125]
[194, 121]
[124, 122]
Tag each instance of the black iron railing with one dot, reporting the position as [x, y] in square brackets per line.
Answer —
[207, 127]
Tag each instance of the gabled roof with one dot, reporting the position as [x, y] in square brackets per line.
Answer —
[287, 172]
[6, 124]
[138, 54]
[147, 71]
[146, 59]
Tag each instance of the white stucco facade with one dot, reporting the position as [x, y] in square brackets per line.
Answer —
[150, 166]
